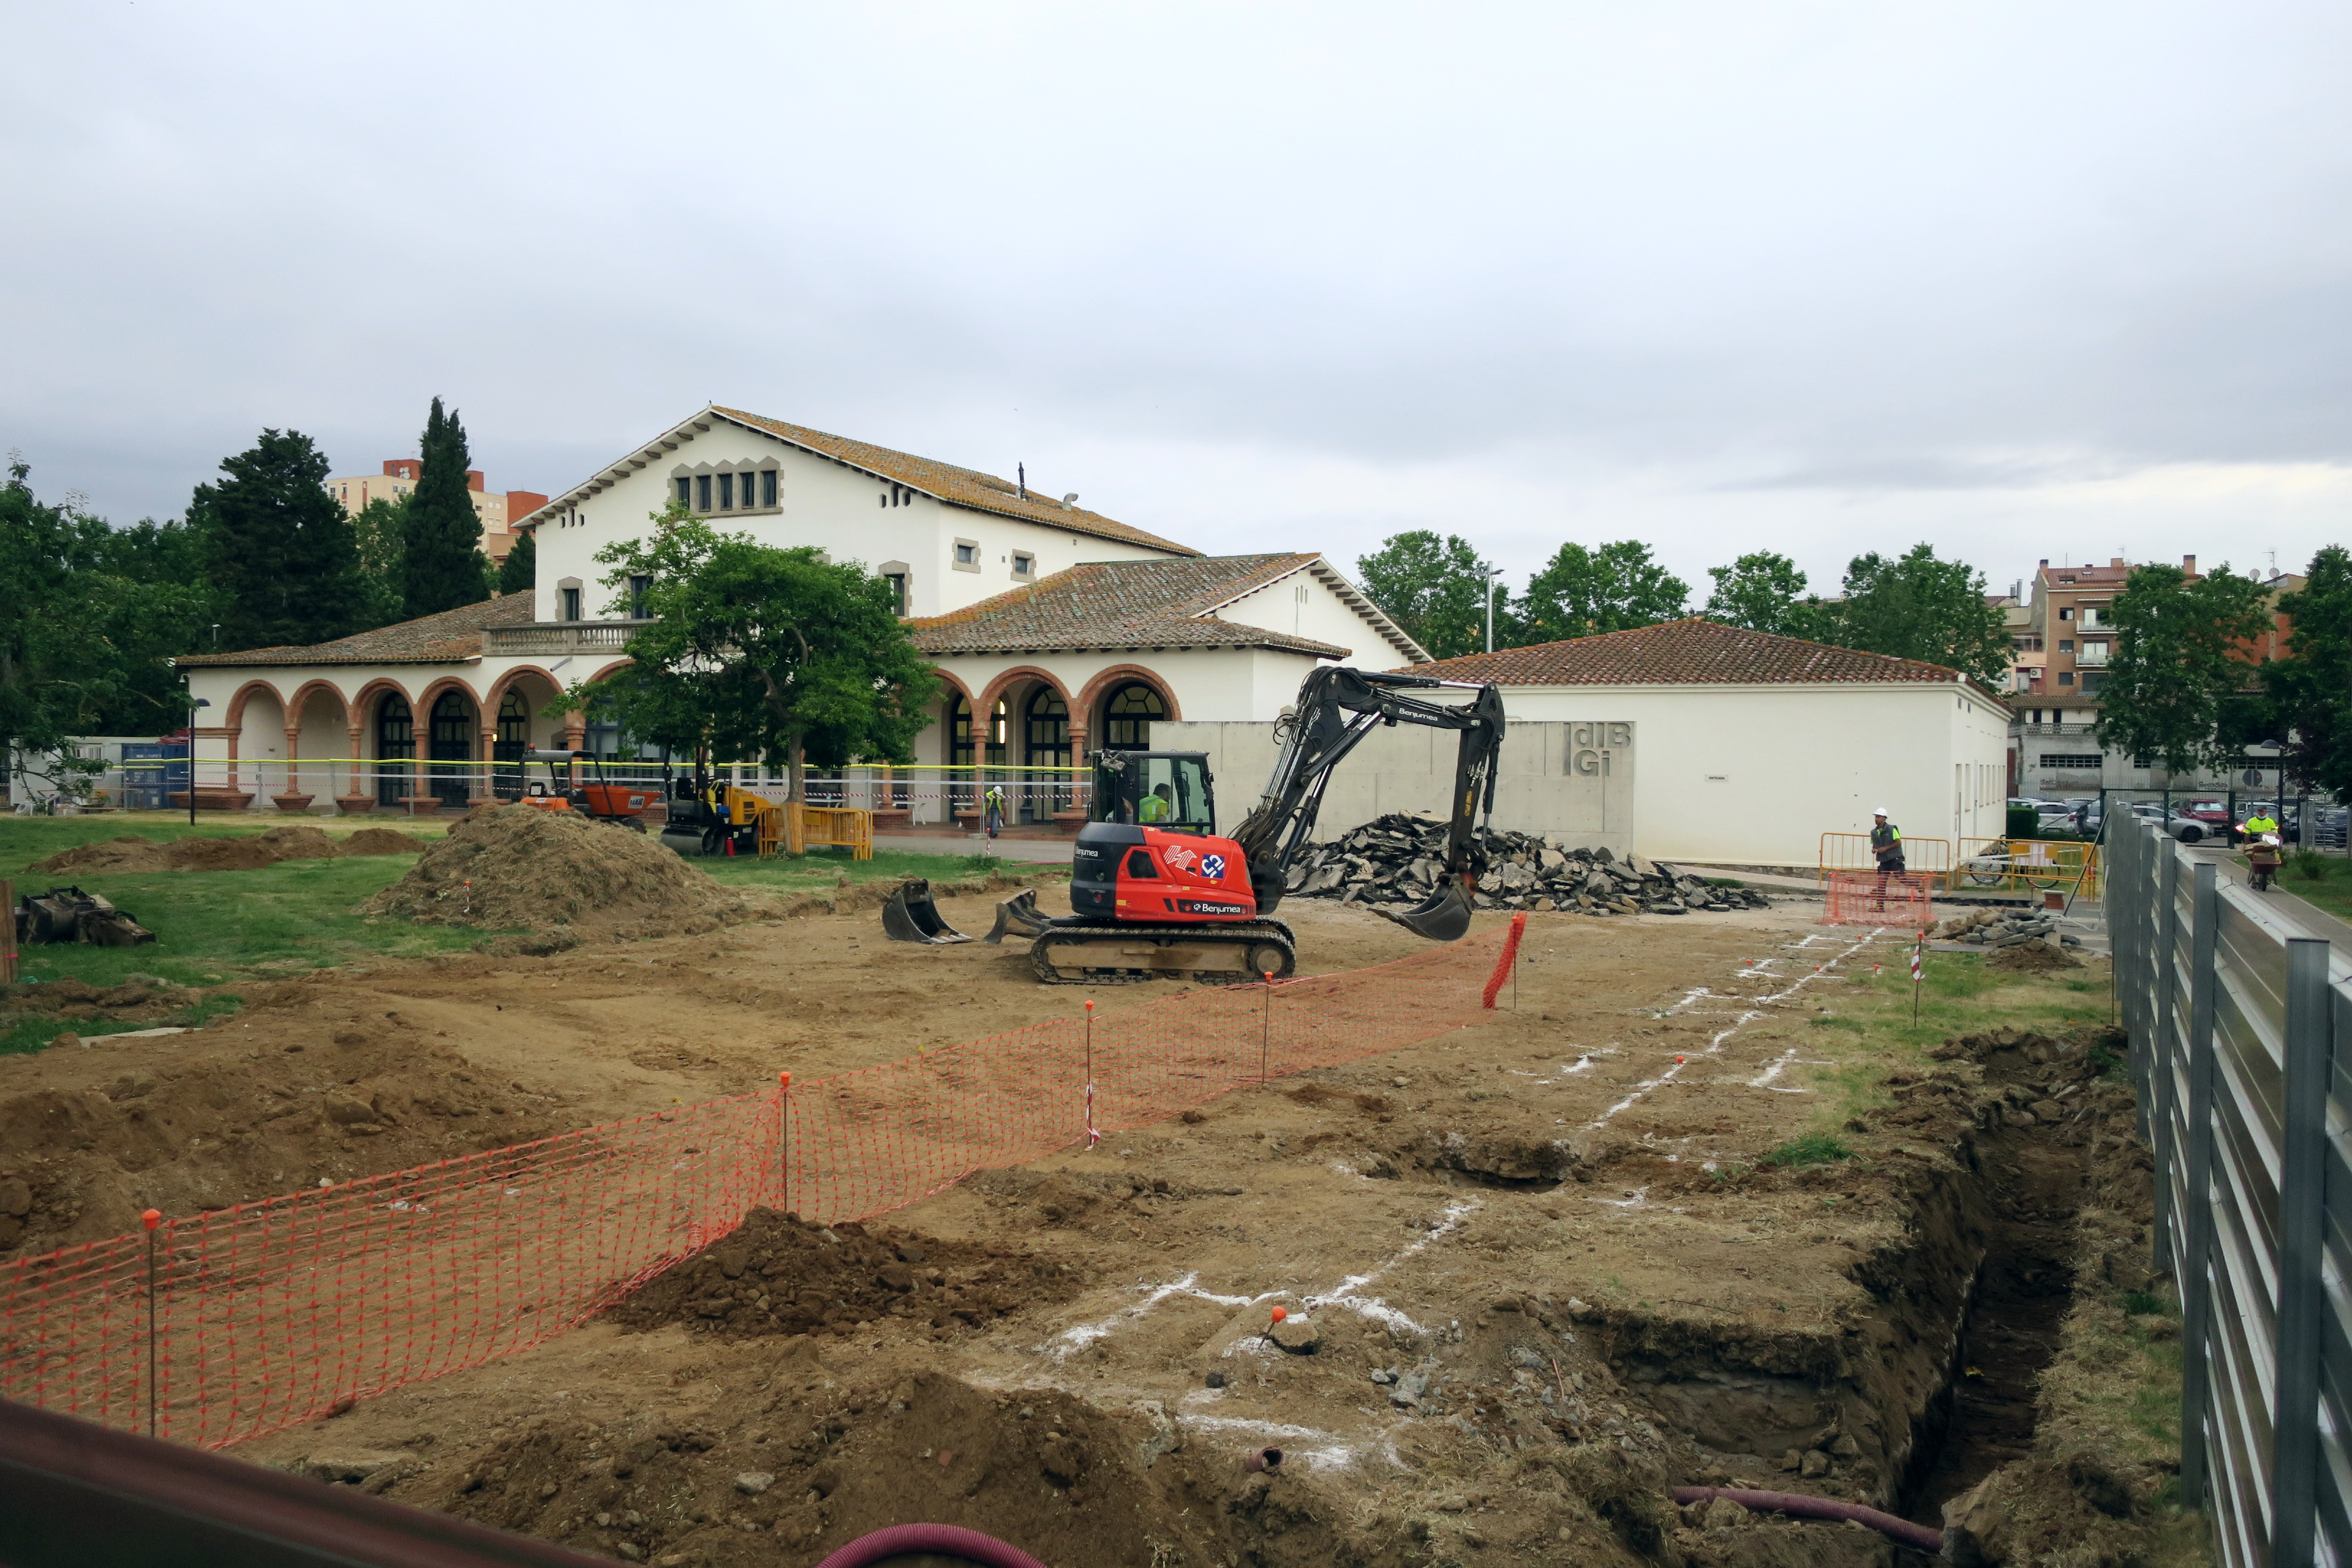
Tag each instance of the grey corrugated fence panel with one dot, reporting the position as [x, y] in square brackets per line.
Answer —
[2248, 1109]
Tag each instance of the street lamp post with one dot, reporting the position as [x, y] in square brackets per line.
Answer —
[195, 703]
[1490, 573]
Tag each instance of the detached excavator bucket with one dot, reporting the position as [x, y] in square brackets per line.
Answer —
[910, 916]
[1445, 915]
[1019, 915]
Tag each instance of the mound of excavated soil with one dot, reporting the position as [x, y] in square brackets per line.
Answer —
[77, 1164]
[511, 866]
[779, 1274]
[244, 852]
[384, 841]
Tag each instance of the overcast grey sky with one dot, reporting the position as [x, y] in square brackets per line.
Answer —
[2018, 279]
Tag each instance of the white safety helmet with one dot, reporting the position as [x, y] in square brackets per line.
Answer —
[1881, 811]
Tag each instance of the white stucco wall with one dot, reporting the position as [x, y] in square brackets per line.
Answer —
[1302, 605]
[1755, 774]
[1576, 780]
[821, 502]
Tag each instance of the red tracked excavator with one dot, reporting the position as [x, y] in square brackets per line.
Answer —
[1155, 891]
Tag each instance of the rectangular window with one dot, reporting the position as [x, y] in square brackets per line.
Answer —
[2092, 679]
[685, 492]
[767, 487]
[637, 586]
[2066, 614]
[2065, 678]
[967, 556]
[898, 580]
[2093, 653]
[571, 604]
[702, 492]
[2065, 644]
[2077, 761]
[1024, 565]
[726, 493]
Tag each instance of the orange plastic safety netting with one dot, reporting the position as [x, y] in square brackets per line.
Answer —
[219, 1327]
[1898, 901]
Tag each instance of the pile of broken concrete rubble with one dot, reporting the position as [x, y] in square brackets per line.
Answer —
[1994, 927]
[1398, 858]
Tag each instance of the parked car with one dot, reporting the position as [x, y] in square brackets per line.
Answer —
[2212, 813]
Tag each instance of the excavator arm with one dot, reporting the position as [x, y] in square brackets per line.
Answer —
[1336, 708]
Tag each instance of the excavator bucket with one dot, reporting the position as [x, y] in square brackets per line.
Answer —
[1445, 915]
[910, 916]
[1018, 914]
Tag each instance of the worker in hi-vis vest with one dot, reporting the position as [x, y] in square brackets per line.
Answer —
[2259, 822]
[995, 803]
[1885, 843]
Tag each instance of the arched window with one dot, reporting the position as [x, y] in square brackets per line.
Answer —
[453, 742]
[1128, 715]
[1045, 744]
[395, 741]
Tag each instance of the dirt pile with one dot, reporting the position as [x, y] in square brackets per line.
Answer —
[385, 841]
[82, 1164]
[513, 866]
[780, 1275]
[2032, 958]
[1396, 858]
[131, 854]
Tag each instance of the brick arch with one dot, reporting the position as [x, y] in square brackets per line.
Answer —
[310, 689]
[1011, 678]
[423, 707]
[616, 664]
[1119, 675]
[498, 687]
[362, 705]
[955, 686]
[234, 718]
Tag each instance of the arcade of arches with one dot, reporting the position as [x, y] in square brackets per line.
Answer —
[444, 743]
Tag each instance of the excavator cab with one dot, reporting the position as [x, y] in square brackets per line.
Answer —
[1168, 790]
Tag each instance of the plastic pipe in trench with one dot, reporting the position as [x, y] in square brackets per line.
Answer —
[941, 1539]
[1797, 1505]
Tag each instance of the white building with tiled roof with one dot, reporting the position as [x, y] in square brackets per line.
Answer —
[1752, 746]
[1055, 630]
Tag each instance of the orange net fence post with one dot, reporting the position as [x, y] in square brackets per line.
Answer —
[1867, 898]
[246, 1320]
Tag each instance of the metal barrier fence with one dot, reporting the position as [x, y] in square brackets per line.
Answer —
[2247, 1105]
[217, 1327]
[1851, 852]
[2028, 865]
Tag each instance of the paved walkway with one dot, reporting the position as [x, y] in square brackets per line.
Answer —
[2307, 918]
[1032, 851]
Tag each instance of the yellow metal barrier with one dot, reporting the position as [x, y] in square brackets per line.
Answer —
[841, 827]
[1851, 852]
[2028, 865]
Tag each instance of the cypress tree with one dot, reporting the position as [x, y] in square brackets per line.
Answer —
[282, 555]
[445, 566]
[519, 572]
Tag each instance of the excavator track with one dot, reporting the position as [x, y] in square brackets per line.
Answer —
[1130, 955]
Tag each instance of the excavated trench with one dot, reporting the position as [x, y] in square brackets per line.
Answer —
[1934, 1388]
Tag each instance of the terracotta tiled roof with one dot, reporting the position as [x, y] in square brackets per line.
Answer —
[1694, 651]
[1122, 604]
[449, 637]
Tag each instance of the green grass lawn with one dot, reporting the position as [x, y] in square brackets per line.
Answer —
[2330, 891]
[25, 839]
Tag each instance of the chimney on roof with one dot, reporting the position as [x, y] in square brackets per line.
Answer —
[1023, 470]
[2116, 560]
[1070, 501]
[2045, 560]
[2189, 564]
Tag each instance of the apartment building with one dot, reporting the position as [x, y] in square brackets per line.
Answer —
[497, 510]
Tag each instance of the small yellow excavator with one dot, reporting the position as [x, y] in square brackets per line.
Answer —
[708, 817]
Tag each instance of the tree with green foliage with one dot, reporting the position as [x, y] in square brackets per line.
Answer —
[2307, 696]
[1608, 588]
[443, 565]
[1434, 589]
[1915, 606]
[758, 653]
[1761, 592]
[283, 559]
[519, 572]
[382, 530]
[2182, 655]
[93, 614]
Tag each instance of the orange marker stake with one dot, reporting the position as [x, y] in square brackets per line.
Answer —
[783, 1141]
[1678, 1061]
[1280, 1313]
[150, 1219]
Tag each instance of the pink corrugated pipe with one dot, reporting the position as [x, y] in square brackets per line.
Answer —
[1797, 1505]
[942, 1540]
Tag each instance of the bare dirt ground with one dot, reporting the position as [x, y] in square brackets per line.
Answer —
[1542, 1273]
